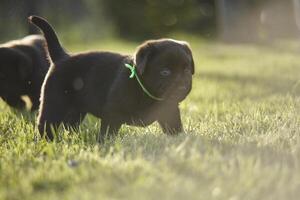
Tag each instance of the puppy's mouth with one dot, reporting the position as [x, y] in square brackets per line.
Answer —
[180, 93]
[175, 92]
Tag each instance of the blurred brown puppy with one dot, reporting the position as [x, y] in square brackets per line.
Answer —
[23, 66]
[99, 83]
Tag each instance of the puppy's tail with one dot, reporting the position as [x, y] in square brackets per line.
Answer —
[55, 49]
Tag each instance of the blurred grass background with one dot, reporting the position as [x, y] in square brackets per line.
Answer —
[137, 20]
[98, 19]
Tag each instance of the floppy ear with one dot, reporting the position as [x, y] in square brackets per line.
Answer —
[24, 68]
[188, 49]
[142, 56]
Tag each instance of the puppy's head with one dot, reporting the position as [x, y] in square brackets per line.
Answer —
[15, 69]
[166, 67]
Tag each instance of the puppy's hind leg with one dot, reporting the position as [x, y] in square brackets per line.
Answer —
[14, 101]
[74, 118]
[108, 129]
[52, 113]
[35, 101]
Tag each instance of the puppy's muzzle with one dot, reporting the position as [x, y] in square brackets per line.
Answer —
[182, 88]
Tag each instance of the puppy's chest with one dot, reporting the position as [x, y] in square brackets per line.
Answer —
[139, 116]
[131, 108]
[139, 120]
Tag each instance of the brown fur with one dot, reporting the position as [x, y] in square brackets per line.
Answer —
[23, 66]
[98, 83]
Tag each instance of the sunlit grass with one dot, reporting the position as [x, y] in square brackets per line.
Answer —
[242, 139]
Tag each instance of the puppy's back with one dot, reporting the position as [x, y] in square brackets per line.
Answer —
[95, 71]
[30, 40]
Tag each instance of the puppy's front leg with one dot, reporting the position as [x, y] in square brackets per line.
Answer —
[170, 121]
[14, 101]
[108, 129]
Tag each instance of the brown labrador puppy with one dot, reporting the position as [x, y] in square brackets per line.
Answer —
[23, 66]
[99, 83]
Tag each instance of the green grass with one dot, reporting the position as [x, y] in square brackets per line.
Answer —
[242, 139]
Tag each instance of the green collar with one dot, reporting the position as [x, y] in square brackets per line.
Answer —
[134, 74]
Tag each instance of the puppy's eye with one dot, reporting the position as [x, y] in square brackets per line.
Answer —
[165, 72]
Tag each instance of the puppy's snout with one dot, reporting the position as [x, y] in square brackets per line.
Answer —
[183, 84]
[182, 88]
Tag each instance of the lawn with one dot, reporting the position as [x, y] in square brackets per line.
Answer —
[241, 140]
